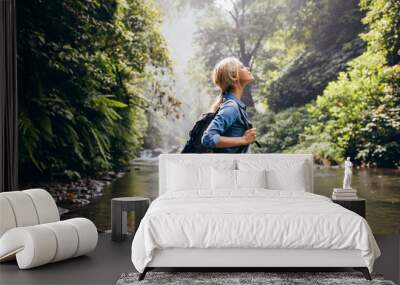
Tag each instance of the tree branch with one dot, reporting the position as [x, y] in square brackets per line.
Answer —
[257, 45]
[234, 18]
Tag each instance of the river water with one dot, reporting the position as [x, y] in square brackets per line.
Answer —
[380, 187]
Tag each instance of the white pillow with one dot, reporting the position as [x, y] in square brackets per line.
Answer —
[293, 180]
[251, 178]
[223, 179]
[194, 175]
[183, 177]
[282, 174]
[231, 180]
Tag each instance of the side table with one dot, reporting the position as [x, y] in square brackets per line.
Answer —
[119, 208]
[355, 205]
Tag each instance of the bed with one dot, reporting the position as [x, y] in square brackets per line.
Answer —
[247, 210]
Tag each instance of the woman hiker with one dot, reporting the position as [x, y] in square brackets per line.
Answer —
[227, 132]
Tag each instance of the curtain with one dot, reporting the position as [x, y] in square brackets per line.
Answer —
[8, 98]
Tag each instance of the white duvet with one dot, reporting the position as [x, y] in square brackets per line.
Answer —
[250, 219]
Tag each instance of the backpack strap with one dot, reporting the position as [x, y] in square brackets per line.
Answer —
[248, 125]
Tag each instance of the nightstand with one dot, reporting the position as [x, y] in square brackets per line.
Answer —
[355, 205]
[119, 208]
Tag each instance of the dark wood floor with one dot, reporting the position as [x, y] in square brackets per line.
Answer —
[111, 259]
[102, 266]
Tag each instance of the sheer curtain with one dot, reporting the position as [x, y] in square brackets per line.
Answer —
[8, 98]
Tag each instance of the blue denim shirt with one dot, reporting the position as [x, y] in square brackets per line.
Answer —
[227, 122]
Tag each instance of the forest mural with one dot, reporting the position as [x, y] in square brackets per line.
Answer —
[89, 70]
[101, 81]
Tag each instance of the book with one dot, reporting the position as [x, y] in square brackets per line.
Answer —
[340, 190]
[345, 194]
[335, 197]
[345, 199]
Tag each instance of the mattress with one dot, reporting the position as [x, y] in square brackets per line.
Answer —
[252, 218]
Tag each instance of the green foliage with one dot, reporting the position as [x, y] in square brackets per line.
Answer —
[360, 112]
[71, 175]
[84, 73]
[383, 18]
[329, 31]
[323, 24]
[308, 75]
[277, 53]
[324, 152]
[280, 131]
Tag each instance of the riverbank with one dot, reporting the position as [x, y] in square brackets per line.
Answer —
[80, 193]
[73, 195]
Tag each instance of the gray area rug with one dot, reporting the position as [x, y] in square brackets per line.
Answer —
[231, 278]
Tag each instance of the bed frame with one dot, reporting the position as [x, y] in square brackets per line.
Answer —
[246, 258]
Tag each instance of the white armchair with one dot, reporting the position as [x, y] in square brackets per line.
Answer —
[31, 230]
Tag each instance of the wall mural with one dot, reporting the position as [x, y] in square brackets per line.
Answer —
[105, 86]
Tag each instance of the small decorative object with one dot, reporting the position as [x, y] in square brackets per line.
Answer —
[347, 174]
[345, 193]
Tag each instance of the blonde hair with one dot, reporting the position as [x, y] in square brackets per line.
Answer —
[225, 75]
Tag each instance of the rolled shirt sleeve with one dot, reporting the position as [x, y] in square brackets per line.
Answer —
[225, 117]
